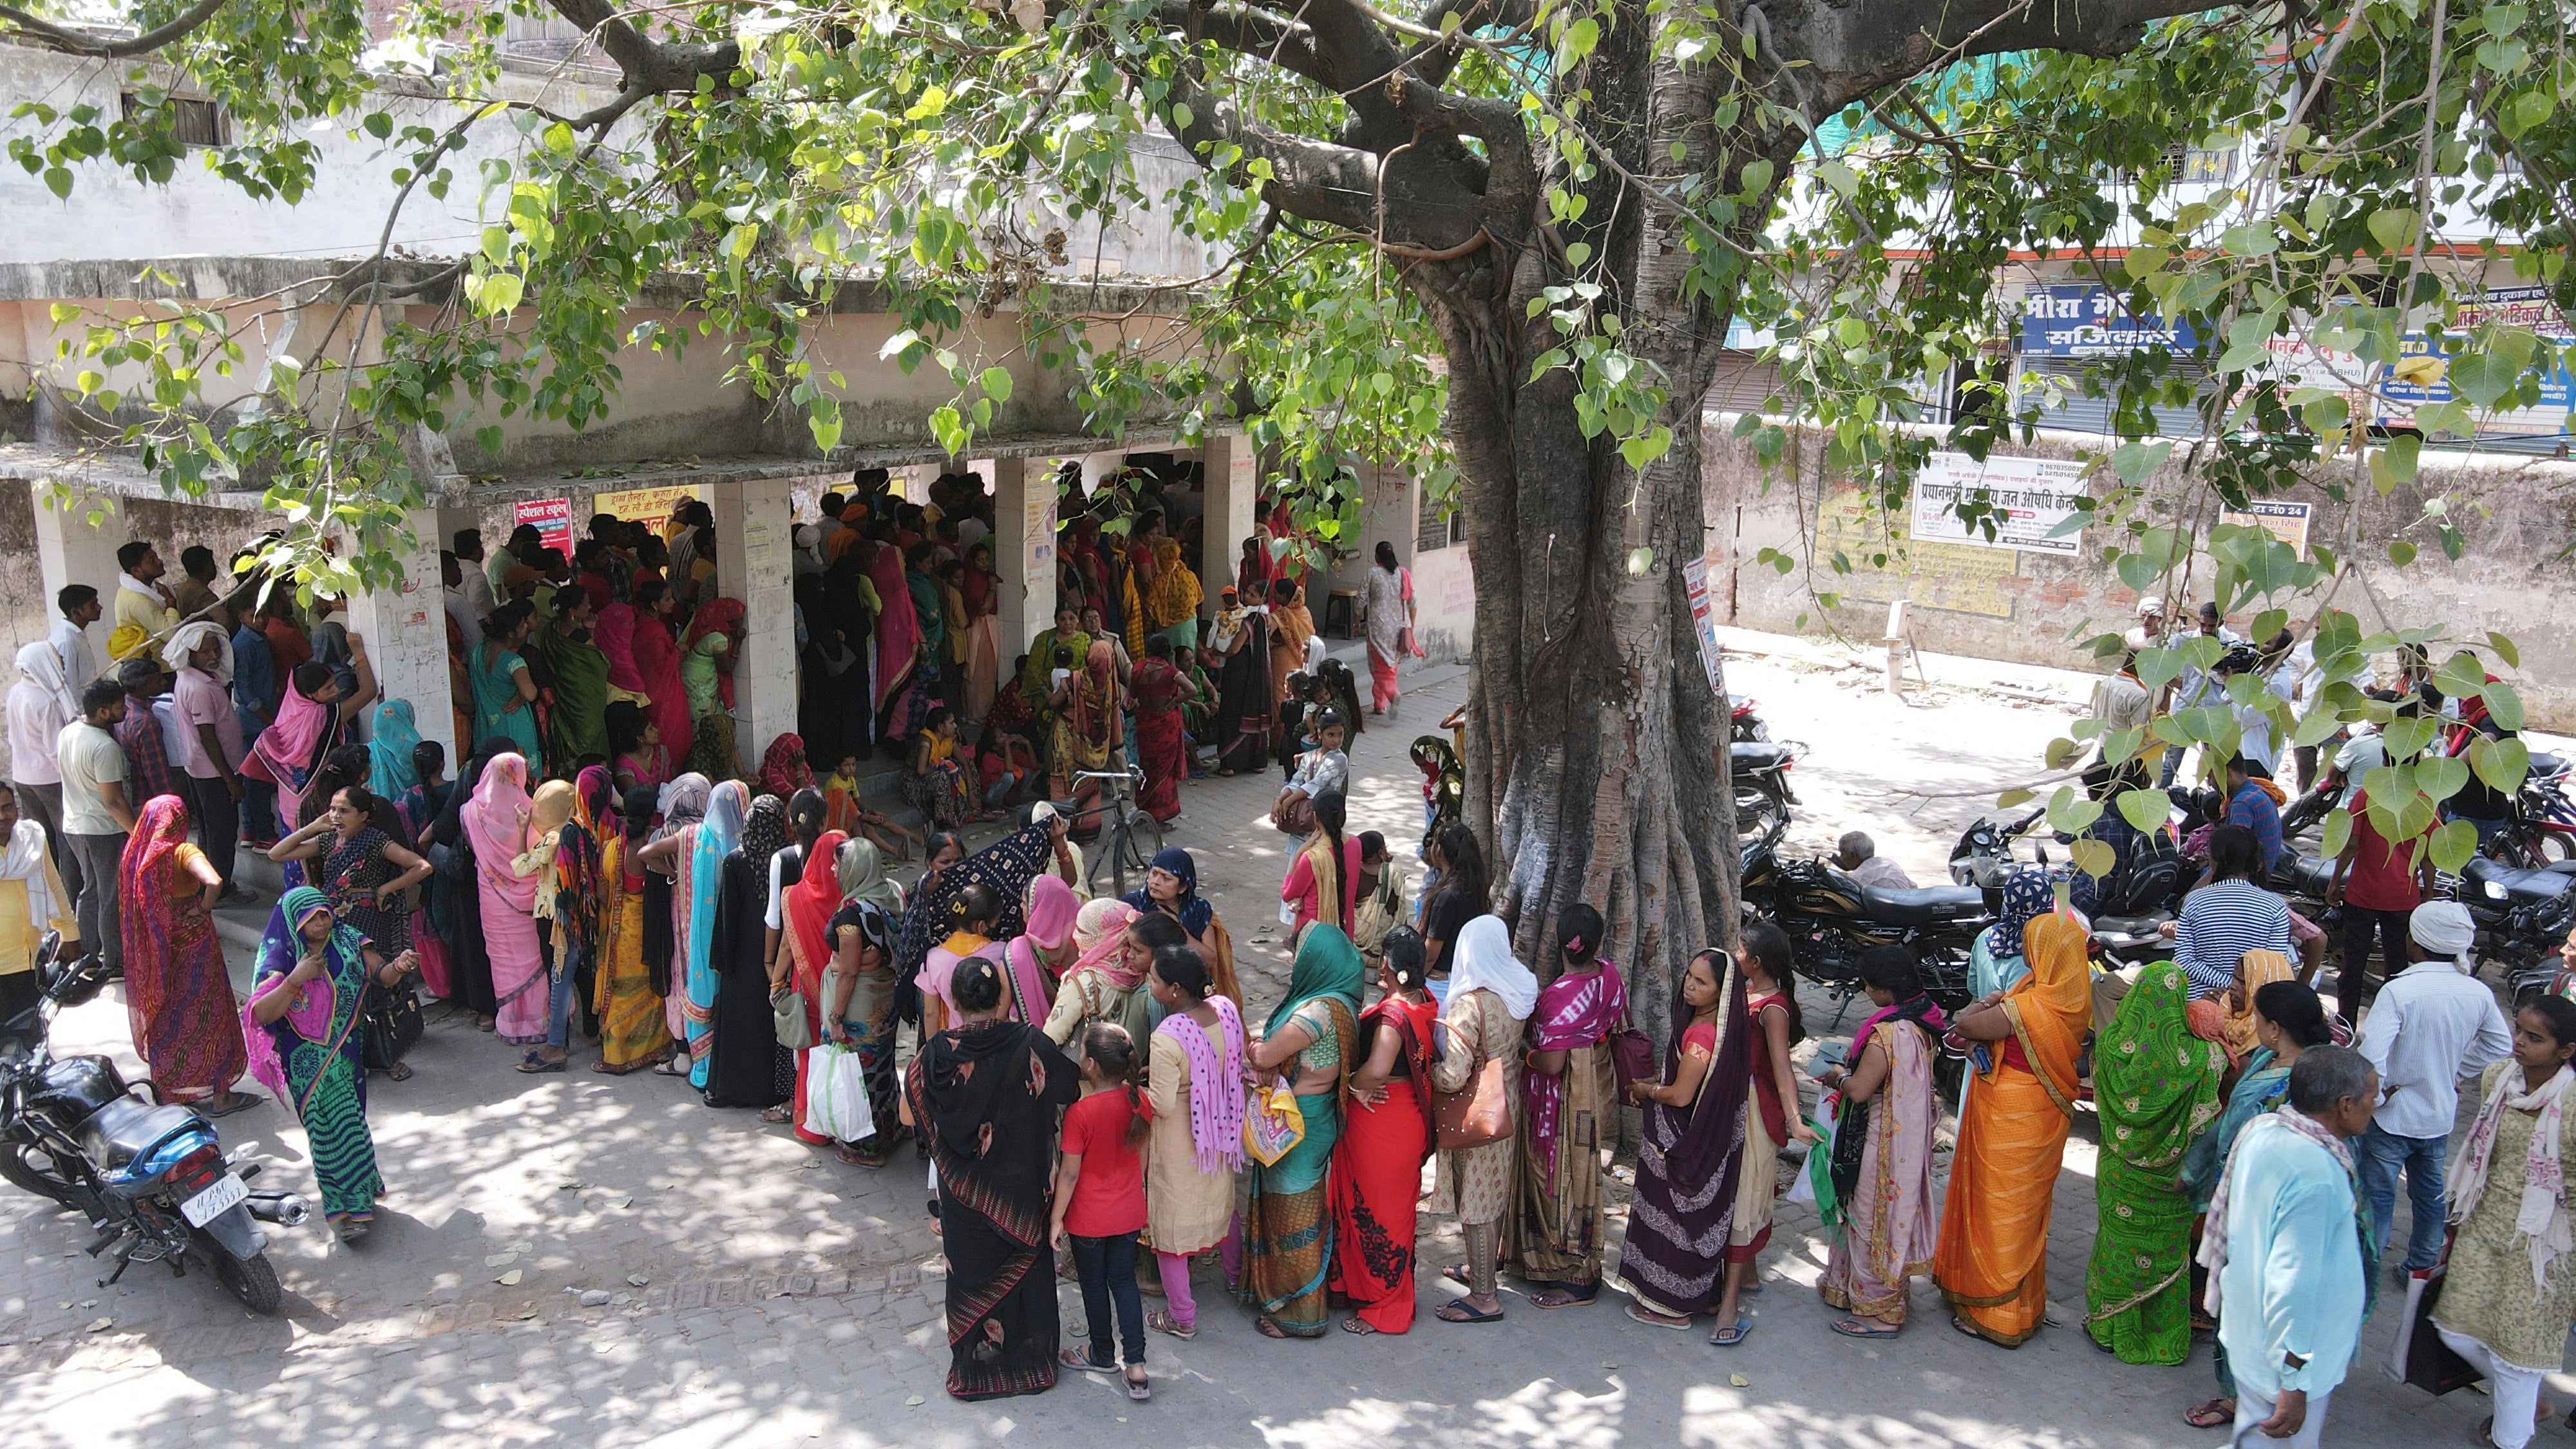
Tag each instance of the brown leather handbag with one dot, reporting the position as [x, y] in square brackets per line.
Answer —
[1478, 1113]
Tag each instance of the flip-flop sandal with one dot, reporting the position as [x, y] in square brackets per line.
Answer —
[1854, 1328]
[1559, 1298]
[241, 1102]
[1465, 1313]
[2209, 1416]
[1139, 1390]
[773, 1115]
[1161, 1322]
[535, 1064]
[398, 1072]
[1733, 1333]
[1074, 1358]
[1961, 1325]
[1655, 1320]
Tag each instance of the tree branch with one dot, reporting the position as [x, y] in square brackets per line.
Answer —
[649, 66]
[144, 44]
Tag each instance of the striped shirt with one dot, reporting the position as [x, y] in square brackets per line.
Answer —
[2252, 808]
[2222, 921]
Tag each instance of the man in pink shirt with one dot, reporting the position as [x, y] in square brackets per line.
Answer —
[211, 737]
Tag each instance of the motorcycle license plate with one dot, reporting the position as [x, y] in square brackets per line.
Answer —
[228, 1193]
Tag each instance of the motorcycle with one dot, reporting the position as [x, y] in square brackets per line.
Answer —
[154, 1180]
[1832, 919]
[2522, 917]
[1760, 773]
[1743, 726]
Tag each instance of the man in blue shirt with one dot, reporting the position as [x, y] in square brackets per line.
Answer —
[2250, 805]
[2288, 1279]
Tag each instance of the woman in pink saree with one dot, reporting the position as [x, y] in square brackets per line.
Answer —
[657, 664]
[1882, 1151]
[498, 818]
[613, 630]
[1569, 1096]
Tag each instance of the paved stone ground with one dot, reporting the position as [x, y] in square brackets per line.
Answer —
[787, 1299]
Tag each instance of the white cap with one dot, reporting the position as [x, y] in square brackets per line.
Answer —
[2151, 604]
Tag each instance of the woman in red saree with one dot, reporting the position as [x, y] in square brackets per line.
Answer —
[1387, 1135]
[898, 638]
[808, 906]
[1160, 690]
[187, 1026]
[657, 663]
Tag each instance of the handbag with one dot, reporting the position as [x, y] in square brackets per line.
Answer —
[1272, 1125]
[1293, 814]
[393, 1025]
[1478, 1113]
[2420, 1357]
[1632, 1055]
[787, 1010]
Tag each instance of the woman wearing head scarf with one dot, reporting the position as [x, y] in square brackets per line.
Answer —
[899, 644]
[1004, 867]
[859, 993]
[390, 749]
[187, 1028]
[632, 1033]
[1306, 1045]
[1885, 1116]
[1104, 982]
[505, 693]
[746, 1067]
[1039, 956]
[1087, 722]
[667, 856]
[784, 770]
[1992, 1262]
[1172, 889]
[981, 651]
[577, 674]
[1239, 649]
[701, 849]
[32, 902]
[1691, 1155]
[306, 998]
[291, 751]
[807, 907]
[509, 863]
[568, 904]
[657, 664]
[1490, 994]
[1290, 627]
[2155, 1086]
[1995, 958]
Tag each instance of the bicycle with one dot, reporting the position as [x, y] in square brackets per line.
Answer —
[1130, 836]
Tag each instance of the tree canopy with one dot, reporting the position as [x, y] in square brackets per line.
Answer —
[1498, 243]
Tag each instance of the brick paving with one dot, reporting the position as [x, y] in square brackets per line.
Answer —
[760, 1293]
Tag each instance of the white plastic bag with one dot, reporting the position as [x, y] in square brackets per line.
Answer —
[847, 1086]
[822, 1114]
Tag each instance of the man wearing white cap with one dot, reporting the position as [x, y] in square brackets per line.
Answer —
[2432, 1024]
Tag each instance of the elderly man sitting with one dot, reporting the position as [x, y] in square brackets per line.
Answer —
[1856, 855]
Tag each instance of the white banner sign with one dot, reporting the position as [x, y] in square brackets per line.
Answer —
[2025, 499]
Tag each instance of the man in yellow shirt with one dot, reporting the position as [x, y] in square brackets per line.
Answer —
[145, 610]
[32, 901]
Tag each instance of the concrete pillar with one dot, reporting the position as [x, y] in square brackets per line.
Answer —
[70, 549]
[755, 558]
[1024, 518]
[1233, 501]
[405, 630]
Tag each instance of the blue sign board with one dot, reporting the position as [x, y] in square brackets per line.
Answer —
[2082, 320]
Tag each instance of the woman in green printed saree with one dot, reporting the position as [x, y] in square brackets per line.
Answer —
[1287, 1227]
[2155, 1086]
[303, 1024]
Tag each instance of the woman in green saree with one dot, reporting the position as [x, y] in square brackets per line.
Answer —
[1287, 1227]
[577, 727]
[2155, 1086]
[307, 994]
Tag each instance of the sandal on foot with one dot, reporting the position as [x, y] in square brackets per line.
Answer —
[1855, 1328]
[1139, 1390]
[534, 1063]
[228, 1103]
[1562, 1297]
[2216, 1414]
[1733, 1333]
[1161, 1322]
[401, 1071]
[1359, 1326]
[1652, 1319]
[1459, 1310]
[773, 1114]
[1074, 1358]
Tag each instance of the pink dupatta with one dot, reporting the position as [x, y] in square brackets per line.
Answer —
[1578, 1009]
[497, 818]
[898, 628]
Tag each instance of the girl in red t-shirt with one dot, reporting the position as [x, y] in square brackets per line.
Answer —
[1100, 1200]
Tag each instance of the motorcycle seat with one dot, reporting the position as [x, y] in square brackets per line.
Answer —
[1929, 903]
[125, 1129]
[2304, 875]
[2521, 885]
[2543, 765]
[2129, 925]
[1745, 755]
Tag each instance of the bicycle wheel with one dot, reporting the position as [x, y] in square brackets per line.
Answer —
[1144, 840]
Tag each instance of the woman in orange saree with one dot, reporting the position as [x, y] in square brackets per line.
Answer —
[1992, 1263]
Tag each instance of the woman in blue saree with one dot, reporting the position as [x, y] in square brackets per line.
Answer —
[1287, 1228]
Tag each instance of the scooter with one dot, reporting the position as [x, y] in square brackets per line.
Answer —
[1760, 773]
[1743, 726]
[154, 1180]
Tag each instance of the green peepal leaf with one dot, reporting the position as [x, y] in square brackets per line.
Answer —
[2442, 778]
[2158, 667]
[2504, 706]
[2336, 835]
[2500, 763]
[2453, 844]
[2145, 810]
[2095, 858]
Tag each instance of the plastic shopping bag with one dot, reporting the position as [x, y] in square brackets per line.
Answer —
[1814, 1183]
[822, 1114]
[1272, 1125]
